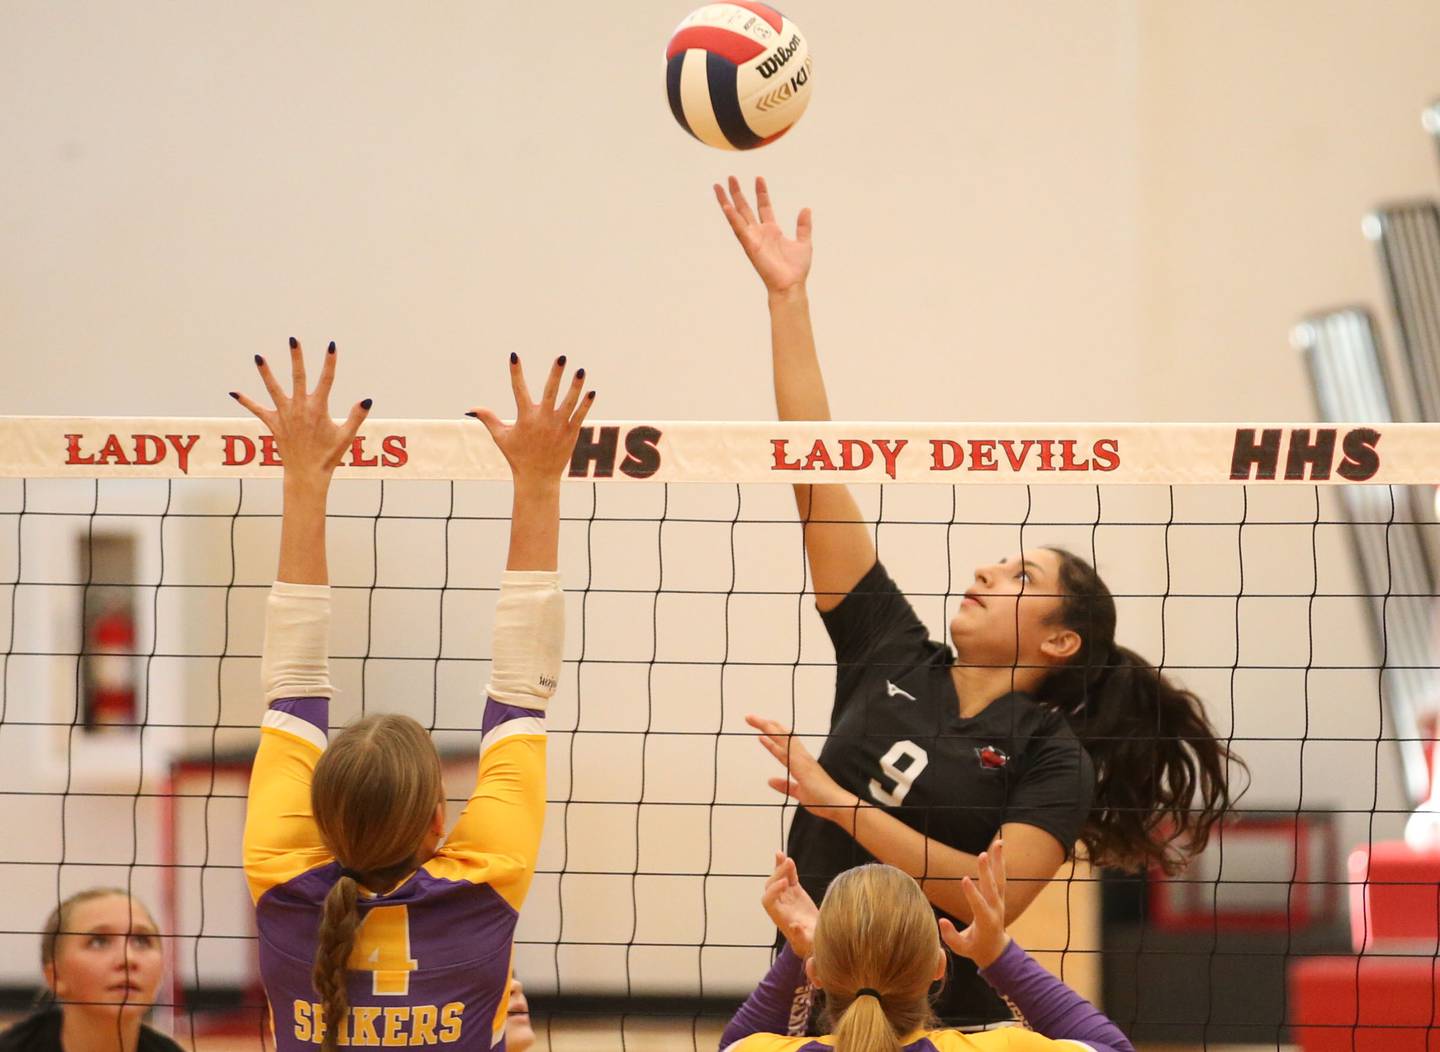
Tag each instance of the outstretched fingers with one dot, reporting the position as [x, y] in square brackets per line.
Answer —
[762, 200]
[804, 225]
[737, 223]
[578, 417]
[787, 786]
[979, 905]
[552, 384]
[742, 206]
[765, 725]
[523, 401]
[268, 379]
[492, 422]
[327, 375]
[348, 430]
[266, 416]
[297, 369]
[572, 396]
[992, 870]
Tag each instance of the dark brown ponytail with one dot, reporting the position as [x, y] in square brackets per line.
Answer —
[1162, 777]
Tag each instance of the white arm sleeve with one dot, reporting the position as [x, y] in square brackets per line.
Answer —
[529, 638]
[296, 660]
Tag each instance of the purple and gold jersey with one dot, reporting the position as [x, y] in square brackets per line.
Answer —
[431, 964]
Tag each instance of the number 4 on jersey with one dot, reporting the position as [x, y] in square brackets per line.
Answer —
[382, 946]
[903, 777]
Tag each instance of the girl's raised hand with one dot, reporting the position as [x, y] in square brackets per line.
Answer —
[805, 781]
[783, 263]
[985, 938]
[790, 906]
[537, 446]
[310, 442]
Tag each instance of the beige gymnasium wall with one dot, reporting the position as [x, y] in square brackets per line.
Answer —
[1110, 210]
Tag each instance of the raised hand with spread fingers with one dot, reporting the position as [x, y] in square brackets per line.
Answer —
[805, 781]
[984, 939]
[790, 906]
[782, 262]
[311, 445]
[537, 446]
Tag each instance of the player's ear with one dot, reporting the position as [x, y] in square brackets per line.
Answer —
[1061, 644]
[810, 974]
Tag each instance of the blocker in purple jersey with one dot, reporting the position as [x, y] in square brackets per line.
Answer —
[737, 74]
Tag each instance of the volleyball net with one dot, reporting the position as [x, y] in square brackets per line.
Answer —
[1282, 572]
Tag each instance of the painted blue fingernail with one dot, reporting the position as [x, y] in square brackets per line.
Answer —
[514, 358]
[580, 373]
[560, 360]
[367, 403]
[259, 360]
[235, 395]
[294, 343]
[590, 395]
[332, 347]
[473, 414]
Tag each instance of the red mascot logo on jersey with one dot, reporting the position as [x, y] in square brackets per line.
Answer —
[991, 758]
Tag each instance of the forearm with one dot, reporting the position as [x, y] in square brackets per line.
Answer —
[281, 838]
[767, 1009]
[535, 525]
[295, 659]
[1049, 1006]
[302, 529]
[799, 384]
[836, 540]
[938, 867]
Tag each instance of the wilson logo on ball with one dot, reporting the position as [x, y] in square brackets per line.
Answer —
[721, 67]
[781, 55]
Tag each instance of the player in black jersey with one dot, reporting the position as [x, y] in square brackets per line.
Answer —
[1037, 726]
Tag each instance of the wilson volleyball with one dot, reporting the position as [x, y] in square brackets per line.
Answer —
[737, 74]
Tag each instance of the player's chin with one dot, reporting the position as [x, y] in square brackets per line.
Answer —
[964, 624]
[519, 1034]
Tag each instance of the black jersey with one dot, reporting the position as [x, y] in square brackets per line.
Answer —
[897, 741]
[40, 1032]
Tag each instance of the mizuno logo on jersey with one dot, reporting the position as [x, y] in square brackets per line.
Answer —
[893, 690]
[991, 758]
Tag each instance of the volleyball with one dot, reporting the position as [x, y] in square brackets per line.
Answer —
[737, 74]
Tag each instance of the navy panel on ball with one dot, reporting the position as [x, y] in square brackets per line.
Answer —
[723, 76]
[672, 89]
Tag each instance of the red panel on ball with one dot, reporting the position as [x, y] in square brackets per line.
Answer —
[738, 49]
[782, 131]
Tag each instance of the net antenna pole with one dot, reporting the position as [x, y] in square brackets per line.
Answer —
[1350, 382]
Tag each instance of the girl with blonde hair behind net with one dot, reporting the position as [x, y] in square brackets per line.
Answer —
[875, 949]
